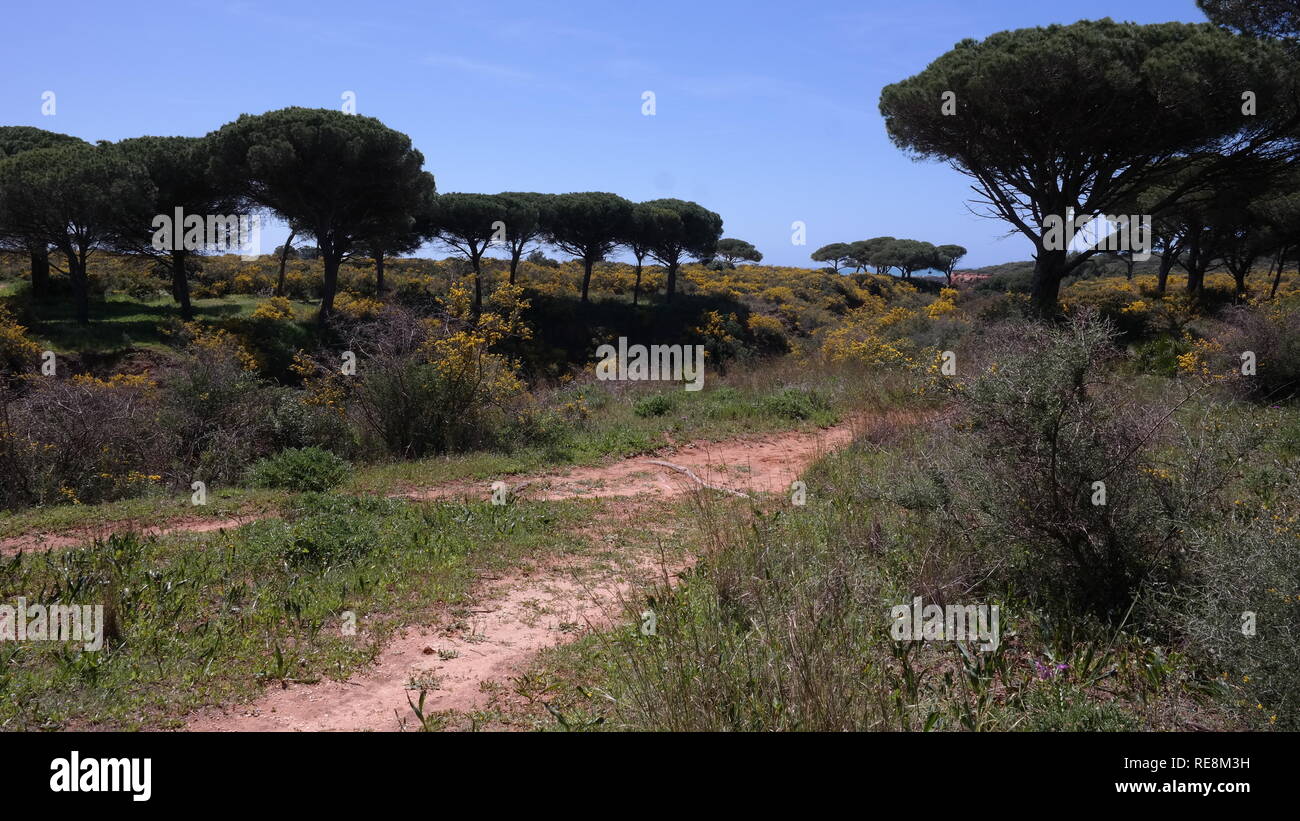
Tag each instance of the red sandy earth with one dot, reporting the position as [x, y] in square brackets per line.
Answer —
[515, 617]
[765, 463]
[519, 616]
[39, 542]
[754, 464]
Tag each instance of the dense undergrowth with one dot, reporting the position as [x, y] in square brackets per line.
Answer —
[1172, 605]
[974, 482]
[204, 619]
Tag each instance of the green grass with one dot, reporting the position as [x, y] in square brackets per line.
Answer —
[613, 431]
[214, 618]
[783, 625]
[387, 477]
[720, 406]
[142, 511]
[121, 323]
[302, 469]
[607, 428]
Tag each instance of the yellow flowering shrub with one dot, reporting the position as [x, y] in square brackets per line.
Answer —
[16, 349]
[1196, 362]
[714, 328]
[322, 387]
[761, 323]
[219, 342]
[356, 307]
[944, 305]
[863, 336]
[132, 381]
[778, 294]
[462, 358]
[428, 385]
[299, 283]
[276, 308]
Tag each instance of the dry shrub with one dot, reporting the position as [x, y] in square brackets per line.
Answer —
[1271, 332]
[80, 440]
[1080, 491]
[429, 385]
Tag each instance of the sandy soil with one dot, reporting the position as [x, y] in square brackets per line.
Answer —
[517, 617]
[750, 464]
[767, 463]
[38, 542]
[463, 662]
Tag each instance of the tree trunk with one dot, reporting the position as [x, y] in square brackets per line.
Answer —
[478, 284]
[515, 254]
[80, 287]
[1166, 265]
[1197, 262]
[181, 285]
[636, 289]
[671, 287]
[587, 265]
[40, 272]
[1277, 275]
[284, 258]
[329, 286]
[379, 273]
[1049, 270]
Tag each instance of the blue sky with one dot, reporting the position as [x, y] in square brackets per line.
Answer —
[766, 112]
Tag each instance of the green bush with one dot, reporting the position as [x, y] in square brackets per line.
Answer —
[213, 409]
[425, 390]
[1081, 492]
[723, 403]
[657, 404]
[272, 341]
[327, 539]
[1160, 356]
[1271, 332]
[301, 469]
[797, 404]
[293, 423]
[1243, 615]
[621, 442]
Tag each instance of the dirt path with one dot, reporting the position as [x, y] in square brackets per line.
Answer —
[462, 665]
[516, 617]
[39, 542]
[757, 463]
[754, 464]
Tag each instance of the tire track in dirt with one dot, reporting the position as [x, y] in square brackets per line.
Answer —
[757, 464]
[516, 617]
[461, 663]
[43, 541]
